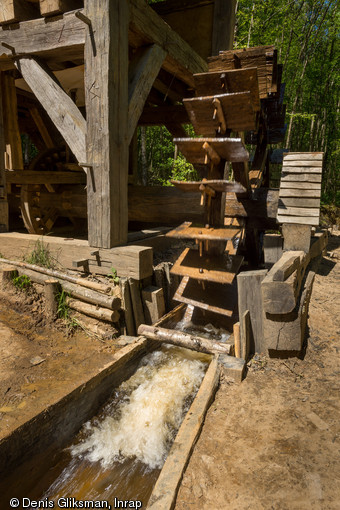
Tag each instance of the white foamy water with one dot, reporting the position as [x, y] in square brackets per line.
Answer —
[143, 425]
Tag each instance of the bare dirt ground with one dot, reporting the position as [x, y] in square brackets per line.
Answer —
[273, 442]
[39, 361]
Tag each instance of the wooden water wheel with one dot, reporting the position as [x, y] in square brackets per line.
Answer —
[52, 176]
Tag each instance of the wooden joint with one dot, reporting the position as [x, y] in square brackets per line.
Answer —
[212, 154]
[220, 115]
[84, 263]
[9, 47]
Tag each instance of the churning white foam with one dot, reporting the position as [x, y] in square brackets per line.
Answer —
[145, 422]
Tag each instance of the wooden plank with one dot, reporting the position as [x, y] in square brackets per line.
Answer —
[14, 158]
[36, 37]
[223, 25]
[236, 80]
[153, 303]
[310, 193]
[217, 185]
[237, 108]
[301, 220]
[302, 169]
[163, 205]
[191, 231]
[250, 298]
[129, 261]
[289, 262]
[303, 156]
[53, 7]
[300, 185]
[136, 300]
[246, 335]
[214, 268]
[298, 211]
[309, 163]
[12, 11]
[182, 60]
[36, 177]
[59, 106]
[237, 339]
[272, 249]
[296, 202]
[106, 93]
[143, 70]
[127, 307]
[289, 177]
[213, 297]
[3, 187]
[230, 149]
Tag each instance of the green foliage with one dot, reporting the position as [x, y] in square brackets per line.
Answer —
[63, 312]
[41, 255]
[22, 282]
[306, 34]
[113, 276]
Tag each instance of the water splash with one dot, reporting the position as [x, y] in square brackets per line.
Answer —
[144, 424]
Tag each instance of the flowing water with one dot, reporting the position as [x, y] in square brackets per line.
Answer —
[119, 453]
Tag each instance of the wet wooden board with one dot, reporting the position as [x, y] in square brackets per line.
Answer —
[236, 80]
[217, 185]
[230, 149]
[210, 298]
[189, 230]
[237, 108]
[213, 268]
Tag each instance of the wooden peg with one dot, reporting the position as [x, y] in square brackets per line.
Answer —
[220, 115]
[211, 153]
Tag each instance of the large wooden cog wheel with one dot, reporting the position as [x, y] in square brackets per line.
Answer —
[39, 217]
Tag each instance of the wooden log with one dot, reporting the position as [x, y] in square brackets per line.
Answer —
[237, 339]
[136, 300]
[100, 287]
[59, 106]
[195, 343]
[143, 70]
[53, 7]
[7, 274]
[51, 291]
[153, 302]
[287, 266]
[127, 307]
[250, 298]
[106, 98]
[13, 11]
[93, 311]
[88, 295]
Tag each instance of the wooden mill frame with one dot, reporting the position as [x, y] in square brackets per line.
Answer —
[124, 45]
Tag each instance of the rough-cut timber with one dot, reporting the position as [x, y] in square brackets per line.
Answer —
[296, 237]
[148, 27]
[3, 188]
[230, 149]
[53, 7]
[193, 342]
[36, 37]
[106, 94]
[249, 298]
[13, 153]
[223, 26]
[143, 70]
[59, 106]
[12, 11]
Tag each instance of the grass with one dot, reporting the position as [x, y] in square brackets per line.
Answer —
[41, 256]
[63, 312]
[113, 276]
[22, 282]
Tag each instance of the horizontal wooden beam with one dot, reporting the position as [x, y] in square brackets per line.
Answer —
[36, 37]
[59, 106]
[35, 177]
[182, 60]
[53, 7]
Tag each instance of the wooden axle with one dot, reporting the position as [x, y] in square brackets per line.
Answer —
[195, 343]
